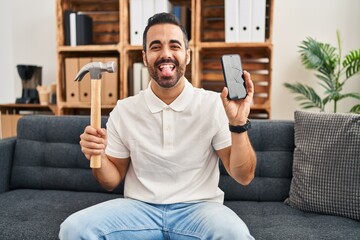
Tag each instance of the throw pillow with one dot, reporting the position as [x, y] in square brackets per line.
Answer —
[326, 166]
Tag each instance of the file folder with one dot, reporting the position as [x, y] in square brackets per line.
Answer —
[258, 20]
[244, 20]
[67, 26]
[72, 87]
[148, 10]
[73, 37]
[162, 6]
[110, 84]
[14, 120]
[231, 20]
[84, 27]
[145, 77]
[136, 22]
[85, 84]
[137, 77]
[5, 126]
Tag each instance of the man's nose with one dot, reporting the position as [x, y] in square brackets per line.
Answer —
[165, 52]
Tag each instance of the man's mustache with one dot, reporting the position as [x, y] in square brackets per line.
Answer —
[167, 60]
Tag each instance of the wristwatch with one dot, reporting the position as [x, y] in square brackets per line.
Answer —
[240, 128]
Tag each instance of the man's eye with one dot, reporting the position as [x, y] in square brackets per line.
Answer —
[155, 48]
[175, 46]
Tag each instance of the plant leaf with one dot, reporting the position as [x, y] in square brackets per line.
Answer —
[329, 83]
[352, 63]
[352, 95]
[307, 96]
[355, 109]
[319, 56]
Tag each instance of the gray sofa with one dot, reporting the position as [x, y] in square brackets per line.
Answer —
[44, 177]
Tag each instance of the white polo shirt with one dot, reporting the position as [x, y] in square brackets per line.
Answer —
[172, 147]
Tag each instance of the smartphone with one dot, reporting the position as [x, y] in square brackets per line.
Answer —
[233, 76]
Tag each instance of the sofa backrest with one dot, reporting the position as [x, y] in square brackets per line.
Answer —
[273, 141]
[48, 154]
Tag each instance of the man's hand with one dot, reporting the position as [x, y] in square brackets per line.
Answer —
[238, 111]
[93, 141]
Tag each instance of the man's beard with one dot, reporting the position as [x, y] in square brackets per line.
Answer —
[167, 82]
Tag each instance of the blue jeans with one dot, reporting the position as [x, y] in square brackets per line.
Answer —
[131, 219]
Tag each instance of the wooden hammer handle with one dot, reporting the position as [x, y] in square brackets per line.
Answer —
[95, 115]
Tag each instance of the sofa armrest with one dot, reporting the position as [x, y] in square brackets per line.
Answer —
[7, 148]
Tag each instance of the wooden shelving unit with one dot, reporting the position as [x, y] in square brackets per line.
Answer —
[11, 113]
[111, 38]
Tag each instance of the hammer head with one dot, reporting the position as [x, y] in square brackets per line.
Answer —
[95, 69]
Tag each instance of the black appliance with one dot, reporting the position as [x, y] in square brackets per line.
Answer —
[31, 77]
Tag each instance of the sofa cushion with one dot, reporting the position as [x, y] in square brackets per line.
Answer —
[326, 165]
[278, 221]
[273, 142]
[37, 214]
[48, 155]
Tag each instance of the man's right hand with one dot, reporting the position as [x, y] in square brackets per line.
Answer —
[93, 141]
[113, 170]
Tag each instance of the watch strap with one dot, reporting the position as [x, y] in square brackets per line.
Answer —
[240, 128]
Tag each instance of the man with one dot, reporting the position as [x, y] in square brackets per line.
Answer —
[165, 143]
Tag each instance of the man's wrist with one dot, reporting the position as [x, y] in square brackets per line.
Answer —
[240, 128]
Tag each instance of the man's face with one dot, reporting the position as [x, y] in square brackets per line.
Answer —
[166, 56]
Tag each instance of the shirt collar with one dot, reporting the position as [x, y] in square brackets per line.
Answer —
[155, 104]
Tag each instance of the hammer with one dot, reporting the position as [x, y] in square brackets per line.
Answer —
[95, 69]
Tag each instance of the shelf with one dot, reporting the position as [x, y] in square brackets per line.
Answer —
[224, 45]
[133, 48]
[87, 48]
[205, 22]
[14, 108]
[82, 105]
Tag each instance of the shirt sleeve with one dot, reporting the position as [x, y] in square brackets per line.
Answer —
[115, 145]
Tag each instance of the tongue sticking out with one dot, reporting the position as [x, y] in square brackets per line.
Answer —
[167, 70]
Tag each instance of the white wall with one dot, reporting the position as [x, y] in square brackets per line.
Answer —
[294, 20]
[7, 87]
[28, 37]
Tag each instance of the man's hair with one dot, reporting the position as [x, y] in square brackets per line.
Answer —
[163, 18]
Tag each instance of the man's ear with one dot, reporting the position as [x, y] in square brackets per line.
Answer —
[188, 58]
[144, 58]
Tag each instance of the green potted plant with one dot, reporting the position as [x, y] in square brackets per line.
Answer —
[332, 72]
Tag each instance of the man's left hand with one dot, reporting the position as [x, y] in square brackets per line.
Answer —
[238, 111]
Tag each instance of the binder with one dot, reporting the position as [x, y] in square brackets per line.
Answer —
[14, 120]
[85, 83]
[162, 6]
[78, 28]
[137, 69]
[176, 10]
[83, 29]
[72, 87]
[145, 77]
[148, 10]
[245, 20]
[67, 26]
[110, 84]
[73, 36]
[231, 20]
[5, 126]
[136, 22]
[258, 20]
